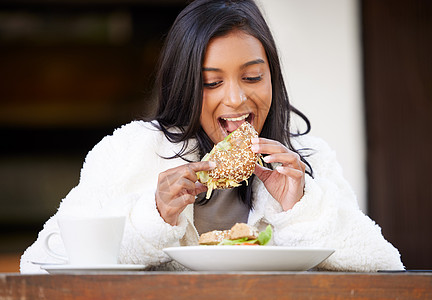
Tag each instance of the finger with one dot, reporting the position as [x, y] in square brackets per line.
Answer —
[176, 204]
[199, 188]
[290, 172]
[170, 211]
[186, 184]
[189, 168]
[186, 199]
[303, 166]
[169, 181]
[266, 146]
[187, 171]
[202, 166]
[287, 159]
[261, 140]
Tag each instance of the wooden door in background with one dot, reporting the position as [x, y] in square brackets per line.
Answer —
[397, 45]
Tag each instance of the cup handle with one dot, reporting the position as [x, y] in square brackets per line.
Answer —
[49, 250]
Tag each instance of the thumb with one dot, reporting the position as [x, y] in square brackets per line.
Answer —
[262, 172]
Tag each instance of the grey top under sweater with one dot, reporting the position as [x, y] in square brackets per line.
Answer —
[222, 211]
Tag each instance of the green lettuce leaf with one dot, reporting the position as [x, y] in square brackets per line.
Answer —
[265, 236]
[235, 242]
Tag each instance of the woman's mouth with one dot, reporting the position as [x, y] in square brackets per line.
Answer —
[229, 124]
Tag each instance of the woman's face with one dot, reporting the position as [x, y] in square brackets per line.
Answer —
[237, 84]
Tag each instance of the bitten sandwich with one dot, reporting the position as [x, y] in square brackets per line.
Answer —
[235, 161]
[239, 234]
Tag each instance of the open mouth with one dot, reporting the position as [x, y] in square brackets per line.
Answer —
[229, 124]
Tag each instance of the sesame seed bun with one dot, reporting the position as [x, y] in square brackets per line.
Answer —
[213, 237]
[235, 161]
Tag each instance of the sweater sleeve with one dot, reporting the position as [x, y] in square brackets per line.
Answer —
[328, 216]
[119, 176]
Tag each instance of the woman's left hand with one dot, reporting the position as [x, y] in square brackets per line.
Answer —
[285, 183]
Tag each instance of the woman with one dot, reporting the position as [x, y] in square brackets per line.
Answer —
[219, 67]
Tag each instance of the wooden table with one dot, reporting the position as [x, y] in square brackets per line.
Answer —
[211, 285]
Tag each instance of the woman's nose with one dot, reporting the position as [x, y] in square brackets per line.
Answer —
[234, 96]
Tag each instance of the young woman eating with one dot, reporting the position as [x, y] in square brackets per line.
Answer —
[219, 67]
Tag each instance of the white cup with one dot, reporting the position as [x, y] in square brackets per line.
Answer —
[88, 240]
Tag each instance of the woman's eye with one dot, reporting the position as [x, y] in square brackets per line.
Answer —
[253, 79]
[212, 84]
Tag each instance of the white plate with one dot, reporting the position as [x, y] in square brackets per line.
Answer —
[248, 258]
[62, 269]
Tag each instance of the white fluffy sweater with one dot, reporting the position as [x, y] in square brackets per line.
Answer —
[121, 172]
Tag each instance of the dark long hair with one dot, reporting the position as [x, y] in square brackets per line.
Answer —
[179, 81]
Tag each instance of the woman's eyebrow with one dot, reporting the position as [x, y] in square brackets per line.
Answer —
[253, 62]
[245, 65]
[211, 69]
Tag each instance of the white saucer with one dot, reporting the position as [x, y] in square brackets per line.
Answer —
[62, 269]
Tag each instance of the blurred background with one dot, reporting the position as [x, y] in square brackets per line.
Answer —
[73, 71]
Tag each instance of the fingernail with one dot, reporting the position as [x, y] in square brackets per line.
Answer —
[266, 159]
[254, 148]
[212, 164]
[255, 140]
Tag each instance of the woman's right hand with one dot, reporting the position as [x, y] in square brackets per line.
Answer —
[177, 188]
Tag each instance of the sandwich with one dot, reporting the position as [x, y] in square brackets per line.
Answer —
[239, 234]
[235, 161]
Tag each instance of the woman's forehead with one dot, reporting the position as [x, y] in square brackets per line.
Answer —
[237, 46]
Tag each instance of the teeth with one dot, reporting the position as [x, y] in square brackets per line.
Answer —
[236, 119]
